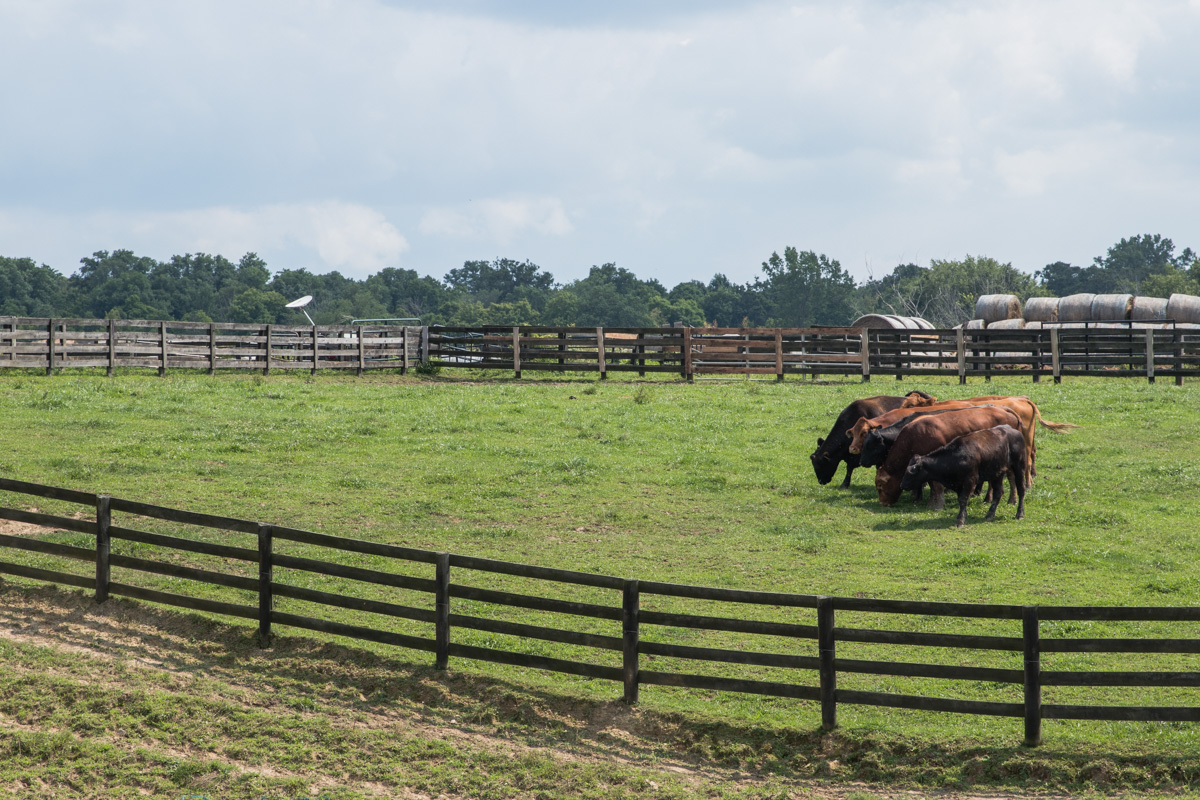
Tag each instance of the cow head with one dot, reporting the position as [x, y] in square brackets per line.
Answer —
[918, 399]
[916, 475]
[824, 464]
[874, 449]
[858, 432]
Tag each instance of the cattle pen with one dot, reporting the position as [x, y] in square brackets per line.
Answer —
[268, 574]
[1164, 351]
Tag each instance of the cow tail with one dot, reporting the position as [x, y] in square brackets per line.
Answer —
[1056, 427]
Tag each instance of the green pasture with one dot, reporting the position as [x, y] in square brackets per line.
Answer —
[706, 484]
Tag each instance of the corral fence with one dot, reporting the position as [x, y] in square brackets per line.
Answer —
[1072, 349]
[259, 573]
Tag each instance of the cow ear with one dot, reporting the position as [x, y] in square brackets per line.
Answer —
[820, 442]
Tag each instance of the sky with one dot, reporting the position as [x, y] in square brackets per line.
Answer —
[676, 139]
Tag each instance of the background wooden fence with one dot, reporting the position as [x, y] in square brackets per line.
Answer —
[1119, 351]
[50, 344]
[620, 616]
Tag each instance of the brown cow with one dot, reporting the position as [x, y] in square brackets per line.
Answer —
[1023, 407]
[969, 461]
[858, 432]
[927, 434]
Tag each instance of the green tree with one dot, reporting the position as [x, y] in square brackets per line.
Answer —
[804, 289]
[946, 291]
[27, 290]
[257, 306]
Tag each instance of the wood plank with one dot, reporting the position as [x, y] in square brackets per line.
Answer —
[534, 602]
[768, 688]
[942, 704]
[190, 545]
[535, 662]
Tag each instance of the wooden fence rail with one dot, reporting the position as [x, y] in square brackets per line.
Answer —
[634, 631]
[50, 344]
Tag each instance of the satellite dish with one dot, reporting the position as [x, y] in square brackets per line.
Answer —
[300, 304]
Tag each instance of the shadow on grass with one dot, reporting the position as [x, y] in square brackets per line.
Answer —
[328, 676]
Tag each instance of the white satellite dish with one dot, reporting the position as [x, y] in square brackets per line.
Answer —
[300, 304]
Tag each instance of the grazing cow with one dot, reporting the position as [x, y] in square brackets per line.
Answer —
[971, 460]
[1023, 407]
[834, 448]
[924, 435]
[878, 441]
[864, 425]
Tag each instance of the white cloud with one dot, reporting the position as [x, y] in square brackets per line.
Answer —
[859, 127]
[319, 236]
[498, 220]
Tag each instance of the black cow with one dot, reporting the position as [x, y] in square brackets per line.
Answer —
[835, 448]
[970, 460]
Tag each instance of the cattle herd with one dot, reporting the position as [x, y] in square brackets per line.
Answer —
[957, 444]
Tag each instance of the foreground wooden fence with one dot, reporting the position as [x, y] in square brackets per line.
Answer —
[1088, 349]
[811, 666]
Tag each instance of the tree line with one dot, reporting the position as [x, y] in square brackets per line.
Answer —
[799, 288]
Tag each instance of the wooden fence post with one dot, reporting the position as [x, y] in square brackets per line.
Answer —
[779, 354]
[442, 611]
[1055, 356]
[1177, 341]
[212, 348]
[601, 355]
[686, 351]
[315, 357]
[516, 346]
[961, 344]
[827, 664]
[267, 363]
[404, 363]
[641, 351]
[50, 347]
[362, 353]
[1150, 355]
[162, 332]
[866, 355]
[103, 545]
[112, 347]
[1033, 677]
[266, 600]
[630, 602]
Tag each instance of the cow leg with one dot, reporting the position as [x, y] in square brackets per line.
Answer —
[997, 491]
[937, 497]
[964, 497]
[1012, 486]
[849, 472]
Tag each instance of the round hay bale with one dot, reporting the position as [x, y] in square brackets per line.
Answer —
[1184, 308]
[1006, 325]
[1034, 324]
[1041, 309]
[1145, 325]
[995, 307]
[1149, 308]
[1111, 307]
[974, 325]
[1075, 307]
[891, 321]
[922, 324]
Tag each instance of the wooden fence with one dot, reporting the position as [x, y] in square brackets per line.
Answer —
[50, 344]
[1088, 349]
[630, 629]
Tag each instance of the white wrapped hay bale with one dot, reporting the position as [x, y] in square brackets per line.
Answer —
[1184, 308]
[1041, 309]
[1111, 307]
[1147, 308]
[1007, 325]
[1076, 307]
[995, 307]
[974, 325]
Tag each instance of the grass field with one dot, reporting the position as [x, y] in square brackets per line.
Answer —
[704, 484]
